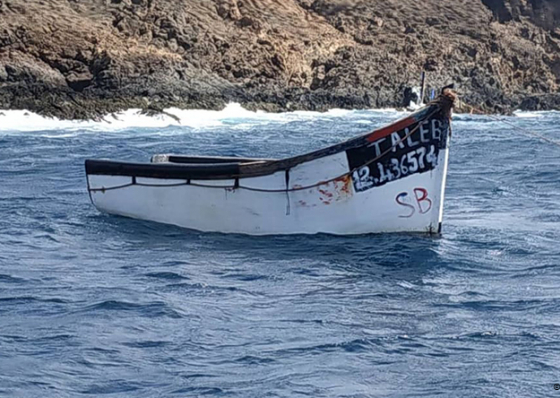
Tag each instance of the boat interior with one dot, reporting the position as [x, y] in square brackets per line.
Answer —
[206, 160]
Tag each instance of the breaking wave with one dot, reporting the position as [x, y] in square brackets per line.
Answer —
[21, 120]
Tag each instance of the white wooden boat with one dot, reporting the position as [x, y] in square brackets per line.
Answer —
[389, 180]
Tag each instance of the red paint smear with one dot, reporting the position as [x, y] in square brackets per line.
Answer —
[345, 188]
[398, 126]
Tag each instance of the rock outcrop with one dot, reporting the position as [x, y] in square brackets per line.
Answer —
[84, 58]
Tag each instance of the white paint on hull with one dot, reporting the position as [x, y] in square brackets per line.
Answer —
[334, 208]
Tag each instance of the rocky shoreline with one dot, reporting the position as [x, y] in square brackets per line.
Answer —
[83, 59]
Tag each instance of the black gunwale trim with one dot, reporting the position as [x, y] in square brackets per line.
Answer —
[161, 170]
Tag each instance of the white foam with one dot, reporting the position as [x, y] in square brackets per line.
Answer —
[29, 121]
[535, 114]
[24, 121]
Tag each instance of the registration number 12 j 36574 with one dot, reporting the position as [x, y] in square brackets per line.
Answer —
[409, 163]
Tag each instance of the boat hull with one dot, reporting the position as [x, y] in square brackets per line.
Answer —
[393, 181]
[332, 209]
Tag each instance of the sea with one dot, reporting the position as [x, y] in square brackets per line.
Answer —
[93, 305]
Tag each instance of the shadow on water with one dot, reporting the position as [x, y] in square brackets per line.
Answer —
[406, 256]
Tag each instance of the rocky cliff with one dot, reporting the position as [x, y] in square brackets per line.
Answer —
[82, 58]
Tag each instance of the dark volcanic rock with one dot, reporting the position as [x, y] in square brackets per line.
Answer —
[82, 59]
[544, 13]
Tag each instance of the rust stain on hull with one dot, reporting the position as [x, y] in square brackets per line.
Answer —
[333, 192]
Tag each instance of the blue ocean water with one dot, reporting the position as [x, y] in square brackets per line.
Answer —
[97, 305]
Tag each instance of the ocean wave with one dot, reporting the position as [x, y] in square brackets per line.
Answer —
[149, 310]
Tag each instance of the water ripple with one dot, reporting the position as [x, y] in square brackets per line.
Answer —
[96, 305]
